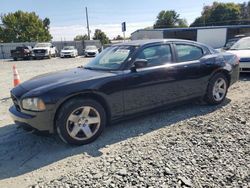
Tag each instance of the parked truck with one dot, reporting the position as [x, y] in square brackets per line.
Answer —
[44, 50]
[21, 52]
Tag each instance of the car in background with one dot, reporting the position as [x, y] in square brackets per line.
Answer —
[21, 52]
[44, 50]
[232, 41]
[122, 81]
[91, 51]
[242, 49]
[69, 51]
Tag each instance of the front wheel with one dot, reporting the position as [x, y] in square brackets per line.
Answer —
[80, 121]
[217, 89]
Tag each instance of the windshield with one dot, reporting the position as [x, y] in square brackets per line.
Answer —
[39, 45]
[91, 47]
[111, 58]
[242, 44]
[68, 48]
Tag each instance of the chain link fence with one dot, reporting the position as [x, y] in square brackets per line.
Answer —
[5, 48]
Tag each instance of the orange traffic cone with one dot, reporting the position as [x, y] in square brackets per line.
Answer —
[16, 79]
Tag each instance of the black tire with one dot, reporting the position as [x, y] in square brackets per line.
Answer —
[15, 58]
[67, 109]
[209, 97]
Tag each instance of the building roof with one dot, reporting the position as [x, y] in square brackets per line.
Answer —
[151, 41]
[194, 28]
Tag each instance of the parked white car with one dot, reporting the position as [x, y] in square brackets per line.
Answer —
[91, 51]
[69, 51]
[242, 50]
[42, 50]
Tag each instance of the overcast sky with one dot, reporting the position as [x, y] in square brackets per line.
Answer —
[68, 16]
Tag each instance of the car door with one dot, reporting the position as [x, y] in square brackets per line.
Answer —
[152, 85]
[191, 74]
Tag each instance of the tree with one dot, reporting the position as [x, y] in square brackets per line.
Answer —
[81, 37]
[99, 35]
[46, 23]
[169, 19]
[24, 27]
[219, 14]
[245, 13]
[119, 37]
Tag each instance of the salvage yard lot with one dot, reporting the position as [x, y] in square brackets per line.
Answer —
[194, 145]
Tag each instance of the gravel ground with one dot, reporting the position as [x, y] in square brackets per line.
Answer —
[194, 145]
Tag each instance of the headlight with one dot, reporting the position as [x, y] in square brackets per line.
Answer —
[33, 104]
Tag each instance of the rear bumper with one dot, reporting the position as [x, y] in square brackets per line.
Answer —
[41, 121]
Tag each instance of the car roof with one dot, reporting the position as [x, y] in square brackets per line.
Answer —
[152, 41]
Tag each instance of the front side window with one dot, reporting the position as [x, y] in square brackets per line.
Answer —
[187, 52]
[156, 55]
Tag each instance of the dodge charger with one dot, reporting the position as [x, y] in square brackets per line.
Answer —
[124, 80]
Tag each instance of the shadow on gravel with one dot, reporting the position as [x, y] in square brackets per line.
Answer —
[244, 76]
[22, 152]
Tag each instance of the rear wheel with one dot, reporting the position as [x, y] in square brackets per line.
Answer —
[80, 121]
[217, 89]
[15, 58]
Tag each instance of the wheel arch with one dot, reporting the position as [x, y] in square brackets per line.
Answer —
[223, 71]
[89, 95]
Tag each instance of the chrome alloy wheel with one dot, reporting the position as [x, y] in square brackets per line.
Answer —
[83, 123]
[219, 89]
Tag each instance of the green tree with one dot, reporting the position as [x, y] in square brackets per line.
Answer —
[245, 13]
[219, 14]
[99, 35]
[169, 19]
[118, 37]
[81, 37]
[24, 27]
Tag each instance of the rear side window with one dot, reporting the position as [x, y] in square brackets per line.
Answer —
[156, 55]
[187, 52]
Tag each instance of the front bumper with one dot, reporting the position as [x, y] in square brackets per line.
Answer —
[40, 55]
[90, 54]
[42, 121]
[66, 55]
[244, 66]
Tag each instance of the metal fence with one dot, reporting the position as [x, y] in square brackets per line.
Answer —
[5, 48]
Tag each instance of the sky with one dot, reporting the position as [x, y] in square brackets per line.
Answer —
[68, 16]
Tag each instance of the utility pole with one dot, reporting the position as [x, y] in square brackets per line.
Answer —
[87, 18]
[204, 19]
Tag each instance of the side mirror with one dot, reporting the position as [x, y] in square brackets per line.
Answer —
[140, 63]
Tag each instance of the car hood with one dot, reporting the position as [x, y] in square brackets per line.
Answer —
[53, 80]
[241, 53]
[91, 50]
[41, 48]
[69, 51]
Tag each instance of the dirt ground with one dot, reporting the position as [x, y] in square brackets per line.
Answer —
[27, 159]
